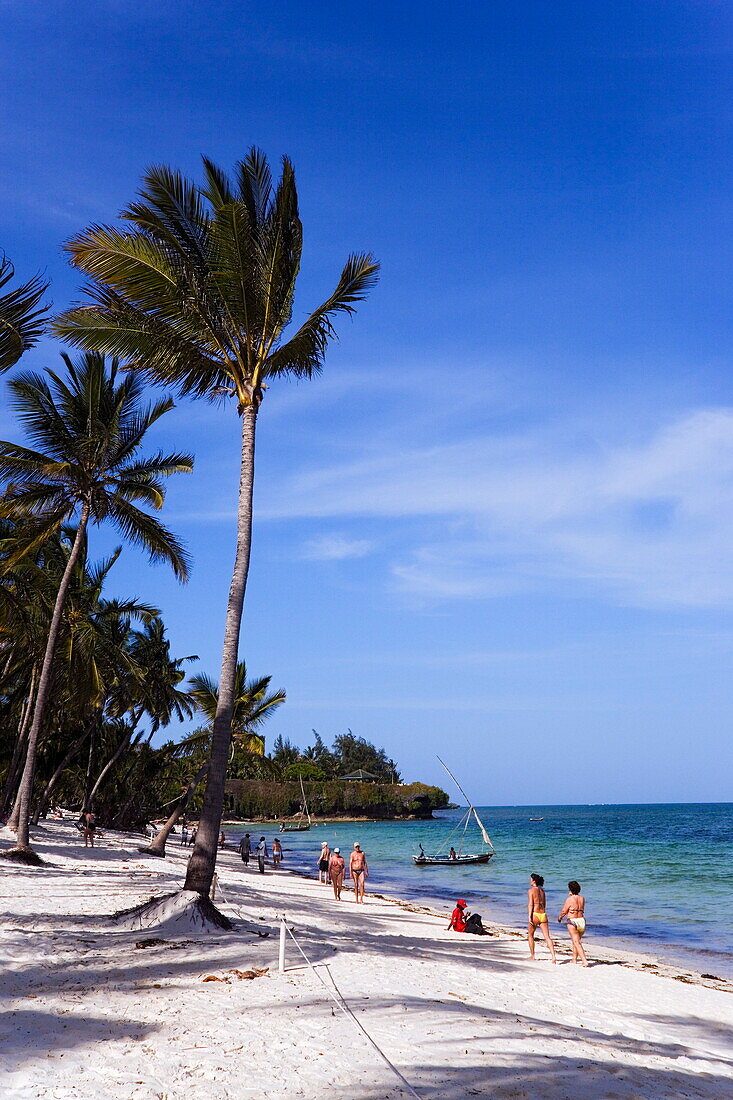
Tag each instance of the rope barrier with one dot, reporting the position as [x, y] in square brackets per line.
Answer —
[341, 1003]
[338, 1000]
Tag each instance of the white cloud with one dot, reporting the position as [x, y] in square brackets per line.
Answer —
[336, 548]
[650, 522]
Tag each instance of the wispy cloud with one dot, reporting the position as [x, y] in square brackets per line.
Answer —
[336, 548]
[650, 522]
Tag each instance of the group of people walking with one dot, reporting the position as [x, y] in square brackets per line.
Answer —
[260, 851]
[572, 912]
[332, 869]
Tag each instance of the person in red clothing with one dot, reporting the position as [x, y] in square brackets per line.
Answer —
[457, 919]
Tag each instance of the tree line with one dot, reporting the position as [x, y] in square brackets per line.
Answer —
[192, 289]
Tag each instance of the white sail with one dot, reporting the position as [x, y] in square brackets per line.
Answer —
[484, 834]
[471, 807]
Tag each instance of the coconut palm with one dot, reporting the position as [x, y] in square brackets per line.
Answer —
[22, 317]
[197, 290]
[87, 430]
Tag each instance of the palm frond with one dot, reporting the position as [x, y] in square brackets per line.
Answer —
[22, 317]
[303, 354]
[146, 532]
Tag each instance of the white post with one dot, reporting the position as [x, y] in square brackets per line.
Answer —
[281, 958]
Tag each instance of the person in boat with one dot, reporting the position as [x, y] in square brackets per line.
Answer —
[537, 914]
[277, 852]
[336, 869]
[359, 871]
[422, 851]
[323, 859]
[245, 849]
[573, 912]
[452, 854]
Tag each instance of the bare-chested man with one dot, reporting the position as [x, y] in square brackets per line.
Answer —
[359, 871]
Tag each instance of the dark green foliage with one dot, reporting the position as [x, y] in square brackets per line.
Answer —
[251, 800]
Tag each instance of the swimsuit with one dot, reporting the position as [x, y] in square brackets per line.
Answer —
[578, 923]
[539, 918]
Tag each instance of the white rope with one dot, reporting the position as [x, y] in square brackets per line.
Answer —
[338, 1001]
[341, 1003]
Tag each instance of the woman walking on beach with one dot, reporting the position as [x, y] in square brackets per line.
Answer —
[277, 852]
[573, 911]
[323, 861]
[537, 913]
[336, 868]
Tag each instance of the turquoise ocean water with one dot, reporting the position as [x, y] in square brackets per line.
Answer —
[656, 877]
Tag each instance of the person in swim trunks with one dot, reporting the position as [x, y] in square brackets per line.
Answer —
[359, 871]
[537, 914]
[573, 911]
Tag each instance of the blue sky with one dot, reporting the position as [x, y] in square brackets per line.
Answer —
[500, 526]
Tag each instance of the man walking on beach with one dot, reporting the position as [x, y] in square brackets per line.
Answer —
[359, 871]
[262, 854]
[245, 849]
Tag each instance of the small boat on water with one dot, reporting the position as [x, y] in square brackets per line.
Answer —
[458, 858]
[536, 819]
[451, 861]
[298, 826]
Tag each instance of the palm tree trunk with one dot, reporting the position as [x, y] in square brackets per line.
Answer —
[157, 845]
[15, 763]
[202, 864]
[46, 796]
[112, 761]
[44, 685]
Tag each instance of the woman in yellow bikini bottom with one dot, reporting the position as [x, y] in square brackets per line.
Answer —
[537, 914]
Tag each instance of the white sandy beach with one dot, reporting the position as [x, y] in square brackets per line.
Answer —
[86, 1013]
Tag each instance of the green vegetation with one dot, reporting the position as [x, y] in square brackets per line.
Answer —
[252, 800]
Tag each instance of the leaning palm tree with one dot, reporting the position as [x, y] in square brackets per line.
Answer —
[86, 430]
[197, 290]
[252, 707]
[22, 317]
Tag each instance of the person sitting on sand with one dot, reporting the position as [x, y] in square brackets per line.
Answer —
[323, 859]
[537, 913]
[573, 912]
[90, 824]
[336, 869]
[457, 921]
[277, 852]
[359, 871]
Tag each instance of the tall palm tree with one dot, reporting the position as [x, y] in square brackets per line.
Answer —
[22, 317]
[87, 430]
[197, 290]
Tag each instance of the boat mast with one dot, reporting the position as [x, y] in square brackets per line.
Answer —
[471, 807]
[305, 800]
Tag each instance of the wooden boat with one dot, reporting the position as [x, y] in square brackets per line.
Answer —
[459, 858]
[447, 861]
[298, 826]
